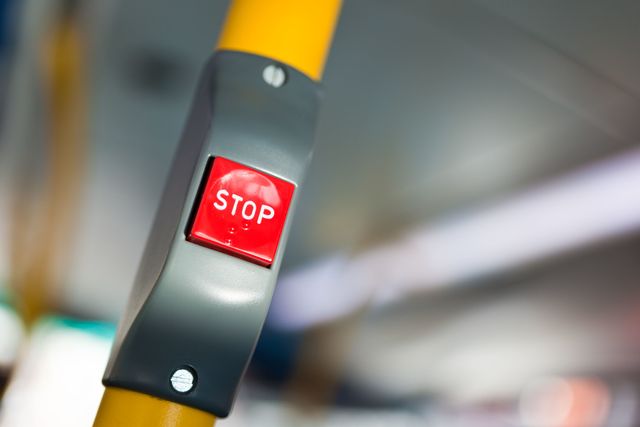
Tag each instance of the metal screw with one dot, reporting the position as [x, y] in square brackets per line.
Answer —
[183, 380]
[274, 75]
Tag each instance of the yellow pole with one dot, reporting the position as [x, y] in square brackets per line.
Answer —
[36, 262]
[297, 33]
[120, 407]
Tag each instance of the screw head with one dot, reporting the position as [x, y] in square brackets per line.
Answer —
[274, 75]
[183, 380]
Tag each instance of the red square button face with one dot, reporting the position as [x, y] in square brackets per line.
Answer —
[242, 212]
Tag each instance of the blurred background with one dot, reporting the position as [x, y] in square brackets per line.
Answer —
[466, 250]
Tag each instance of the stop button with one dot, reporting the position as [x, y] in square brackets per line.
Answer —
[242, 212]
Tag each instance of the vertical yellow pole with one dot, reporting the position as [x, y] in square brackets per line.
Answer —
[121, 407]
[297, 33]
[36, 262]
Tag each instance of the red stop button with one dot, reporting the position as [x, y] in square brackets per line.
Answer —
[242, 212]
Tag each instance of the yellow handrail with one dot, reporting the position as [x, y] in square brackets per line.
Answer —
[120, 407]
[295, 32]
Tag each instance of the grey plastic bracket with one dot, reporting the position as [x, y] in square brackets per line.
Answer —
[192, 306]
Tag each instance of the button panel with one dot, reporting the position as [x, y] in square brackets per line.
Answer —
[242, 212]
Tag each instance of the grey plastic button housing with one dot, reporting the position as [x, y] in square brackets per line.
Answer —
[193, 306]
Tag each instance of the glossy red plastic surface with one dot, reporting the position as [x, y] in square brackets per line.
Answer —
[242, 212]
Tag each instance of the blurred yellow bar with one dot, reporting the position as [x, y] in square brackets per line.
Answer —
[36, 262]
[120, 407]
[295, 32]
